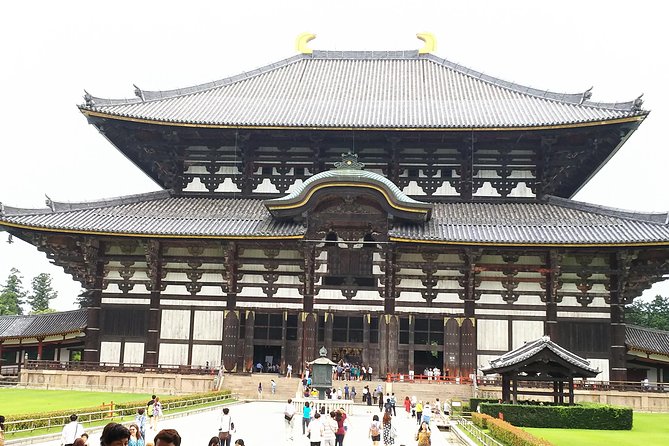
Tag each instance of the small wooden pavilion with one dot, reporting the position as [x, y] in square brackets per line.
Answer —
[541, 360]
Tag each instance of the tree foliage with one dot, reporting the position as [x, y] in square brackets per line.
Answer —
[12, 294]
[42, 293]
[652, 314]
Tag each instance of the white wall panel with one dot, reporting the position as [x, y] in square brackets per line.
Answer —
[174, 324]
[492, 334]
[525, 331]
[133, 353]
[173, 354]
[603, 366]
[207, 353]
[110, 352]
[208, 326]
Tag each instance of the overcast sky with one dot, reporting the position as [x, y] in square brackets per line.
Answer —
[52, 51]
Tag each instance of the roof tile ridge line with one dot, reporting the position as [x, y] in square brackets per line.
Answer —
[570, 98]
[112, 201]
[365, 54]
[641, 327]
[156, 95]
[660, 218]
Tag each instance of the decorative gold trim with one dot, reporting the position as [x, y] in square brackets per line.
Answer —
[459, 320]
[162, 236]
[551, 245]
[315, 189]
[430, 43]
[407, 129]
[301, 43]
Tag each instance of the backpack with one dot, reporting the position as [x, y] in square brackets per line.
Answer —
[375, 429]
[150, 410]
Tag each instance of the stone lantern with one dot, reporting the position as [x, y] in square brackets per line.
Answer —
[321, 376]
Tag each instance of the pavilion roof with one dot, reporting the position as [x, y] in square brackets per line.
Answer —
[553, 221]
[531, 352]
[42, 325]
[647, 340]
[364, 89]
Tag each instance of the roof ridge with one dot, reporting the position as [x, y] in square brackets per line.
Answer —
[654, 330]
[661, 218]
[156, 95]
[55, 206]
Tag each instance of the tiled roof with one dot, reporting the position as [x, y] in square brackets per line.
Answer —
[398, 89]
[530, 349]
[37, 325]
[555, 221]
[647, 339]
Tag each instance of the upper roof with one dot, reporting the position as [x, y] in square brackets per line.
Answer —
[647, 340]
[521, 355]
[553, 221]
[363, 89]
[42, 325]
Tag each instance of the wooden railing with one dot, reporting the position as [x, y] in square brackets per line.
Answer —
[33, 364]
[622, 386]
[402, 377]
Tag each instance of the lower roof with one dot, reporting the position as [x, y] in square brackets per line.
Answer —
[42, 325]
[552, 221]
[647, 340]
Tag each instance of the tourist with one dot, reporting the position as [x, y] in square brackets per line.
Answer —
[437, 407]
[289, 371]
[239, 442]
[114, 434]
[306, 417]
[330, 427]
[369, 373]
[369, 395]
[2, 430]
[347, 393]
[71, 431]
[214, 441]
[273, 386]
[389, 431]
[423, 435]
[140, 419]
[419, 412]
[363, 373]
[427, 412]
[79, 442]
[375, 430]
[225, 427]
[381, 402]
[259, 390]
[388, 405]
[157, 413]
[84, 437]
[259, 367]
[149, 410]
[340, 417]
[413, 406]
[407, 405]
[136, 438]
[353, 393]
[167, 437]
[393, 402]
[315, 430]
[289, 418]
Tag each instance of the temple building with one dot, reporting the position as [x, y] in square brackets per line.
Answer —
[399, 209]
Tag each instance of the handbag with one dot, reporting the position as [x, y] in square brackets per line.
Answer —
[223, 435]
[288, 417]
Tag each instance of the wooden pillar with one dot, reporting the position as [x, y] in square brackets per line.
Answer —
[92, 339]
[561, 392]
[556, 398]
[451, 346]
[284, 341]
[389, 280]
[309, 254]
[381, 368]
[571, 390]
[40, 346]
[552, 285]
[248, 341]
[366, 320]
[515, 389]
[329, 321]
[309, 325]
[412, 351]
[191, 331]
[230, 338]
[154, 261]
[617, 355]
[506, 388]
[393, 344]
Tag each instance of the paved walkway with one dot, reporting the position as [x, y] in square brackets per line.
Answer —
[261, 423]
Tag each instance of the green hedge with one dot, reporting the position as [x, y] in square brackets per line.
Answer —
[513, 436]
[38, 420]
[474, 402]
[591, 416]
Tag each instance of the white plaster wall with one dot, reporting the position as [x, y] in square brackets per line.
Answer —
[175, 324]
[511, 312]
[173, 354]
[526, 331]
[492, 334]
[521, 190]
[446, 190]
[133, 353]
[251, 291]
[196, 186]
[266, 187]
[110, 352]
[192, 303]
[211, 290]
[287, 293]
[603, 366]
[484, 361]
[228, 186]
[270, 305]
[208, 326]
[486, 191]
[206, 353]
[413, 189]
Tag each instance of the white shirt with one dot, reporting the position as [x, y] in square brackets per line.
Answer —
[71, 432]
[225, 424]
[289, 409]
[315, 430]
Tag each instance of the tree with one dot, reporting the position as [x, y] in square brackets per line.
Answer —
[42, 293]
[12, 294]
[653, 314]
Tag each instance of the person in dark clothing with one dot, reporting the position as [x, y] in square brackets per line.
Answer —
[388, 406]
[380, 401]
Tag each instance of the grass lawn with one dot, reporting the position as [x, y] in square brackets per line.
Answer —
[20, 401]
[649, 429]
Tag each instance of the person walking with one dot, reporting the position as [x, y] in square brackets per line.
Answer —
[157, 413]
[375, 430]
[407, 406]
[289, 371]
[393, 402]
[273, 386]
[306, 417]
[427, 413]
[423, 435]
[381, 402]
[340, 417]
[260, 390]
[140, 420]
[149, 411]
[225, 427]
[389, 431]
[419, 412]
[114, 434]
[71, 431]
[353, 394]
[136, 438]
[315, 430]
[2, 430]
[214, 441]
[289, 418]
[330, 427]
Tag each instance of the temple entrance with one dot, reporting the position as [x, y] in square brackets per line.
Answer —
[347, 354]
[427, 359]
[269, 356]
